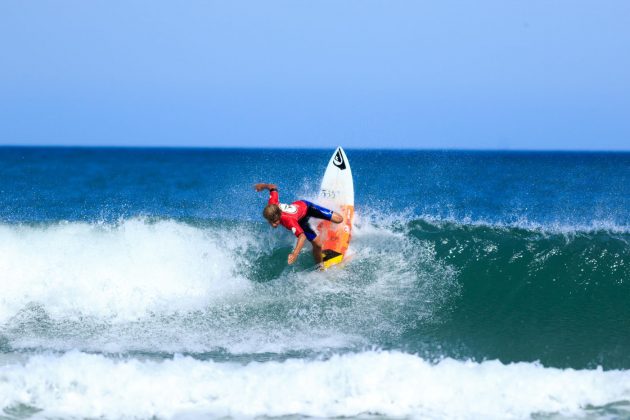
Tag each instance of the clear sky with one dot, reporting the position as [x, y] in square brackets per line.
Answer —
[504, 74]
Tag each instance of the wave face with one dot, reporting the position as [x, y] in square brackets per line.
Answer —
[435, 288]
[557, 295]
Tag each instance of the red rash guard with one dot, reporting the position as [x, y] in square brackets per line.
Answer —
[291, 213]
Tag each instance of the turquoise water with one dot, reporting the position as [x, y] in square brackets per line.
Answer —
[143, 282]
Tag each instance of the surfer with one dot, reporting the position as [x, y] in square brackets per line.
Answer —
[295, 217]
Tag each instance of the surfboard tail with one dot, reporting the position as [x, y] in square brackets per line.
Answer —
[336, 237]
[330, 258]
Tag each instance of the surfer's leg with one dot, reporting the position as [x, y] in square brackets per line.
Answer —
[306, 227]
[320, 212]
[317, 250]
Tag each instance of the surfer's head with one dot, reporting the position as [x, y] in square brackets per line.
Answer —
[272, 213]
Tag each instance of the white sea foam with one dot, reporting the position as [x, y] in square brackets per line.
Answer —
[169, 286]
[120, 272]
[383, 383]
[551, 227]
[372, 217]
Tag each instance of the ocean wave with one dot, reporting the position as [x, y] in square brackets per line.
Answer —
[171, 286]
[435, 287]
[372, 217]
[120, 271]
[384, 383]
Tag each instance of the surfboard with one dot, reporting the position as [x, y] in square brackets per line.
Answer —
[336, 193]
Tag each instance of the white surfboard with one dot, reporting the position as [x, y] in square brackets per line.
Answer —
[337, 193]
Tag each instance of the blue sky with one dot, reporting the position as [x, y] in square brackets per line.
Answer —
[361, 73]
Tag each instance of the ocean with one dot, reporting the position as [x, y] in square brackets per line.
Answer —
[144, 283]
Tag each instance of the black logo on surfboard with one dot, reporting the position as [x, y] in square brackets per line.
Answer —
[338, 160]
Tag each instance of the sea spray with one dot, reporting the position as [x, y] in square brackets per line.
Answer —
[143, 285]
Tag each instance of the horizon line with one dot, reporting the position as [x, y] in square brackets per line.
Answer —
[271, 148]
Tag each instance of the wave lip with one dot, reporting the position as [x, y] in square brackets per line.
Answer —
[379, 383]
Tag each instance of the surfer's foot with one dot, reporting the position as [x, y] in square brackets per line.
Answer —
[336, 218]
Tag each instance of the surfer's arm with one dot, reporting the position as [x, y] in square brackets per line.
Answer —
[273, 191]
[262, 186]
[298, 247]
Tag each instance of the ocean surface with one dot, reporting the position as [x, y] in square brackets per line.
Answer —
[144, 283]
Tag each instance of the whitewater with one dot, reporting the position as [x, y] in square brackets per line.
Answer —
[161, 294]
[384, 383]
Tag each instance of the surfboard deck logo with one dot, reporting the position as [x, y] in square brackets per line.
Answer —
[337, 193]
[338, 160]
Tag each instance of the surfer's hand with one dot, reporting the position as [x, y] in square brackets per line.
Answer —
[292, 258]
[262, 186]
